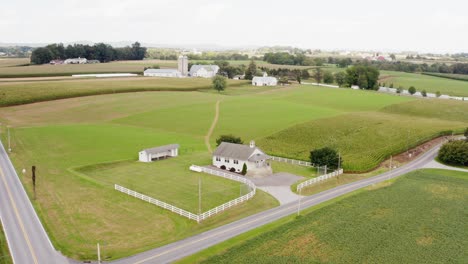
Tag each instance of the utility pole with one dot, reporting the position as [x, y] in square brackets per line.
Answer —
[34, 180]
[199, 195]
[299, 205]
[9, 140]
[99, 253]
[339, 160]
[391, 162]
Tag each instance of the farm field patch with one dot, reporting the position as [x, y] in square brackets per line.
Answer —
[80, 145]
[31, 92]
[421, 82]
[73, 204]
[364, 139]
[416, 218]
[69, 69]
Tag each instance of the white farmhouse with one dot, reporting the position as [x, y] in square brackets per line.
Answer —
[170, 73]
[76, 61]
[157, 153]
[230, 156]
[265, 80]
[204, 71]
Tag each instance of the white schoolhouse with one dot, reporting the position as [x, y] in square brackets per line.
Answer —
[232, 157]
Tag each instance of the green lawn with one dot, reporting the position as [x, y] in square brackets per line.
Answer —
[5, 257]
[169, 181]
[418, 218]
[421, 82]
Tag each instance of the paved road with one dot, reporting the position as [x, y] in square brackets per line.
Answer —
[27, 240]
[189, 246]
[29, 243]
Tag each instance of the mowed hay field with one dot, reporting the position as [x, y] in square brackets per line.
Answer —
[82, 146]
[421, 82]
[5, 257]
[418, 218]
[13, 68]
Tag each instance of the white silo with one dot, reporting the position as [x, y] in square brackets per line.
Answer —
[183, 65]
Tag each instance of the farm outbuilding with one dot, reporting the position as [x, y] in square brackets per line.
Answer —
[157, 153]
[264, 81]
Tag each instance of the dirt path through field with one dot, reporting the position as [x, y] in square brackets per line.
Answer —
[213, 125]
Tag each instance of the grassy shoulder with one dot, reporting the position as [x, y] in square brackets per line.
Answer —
[5, 257]
[416, 218]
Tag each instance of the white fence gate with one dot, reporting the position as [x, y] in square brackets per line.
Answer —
[292, 161]
[319, 179]
[207, 214]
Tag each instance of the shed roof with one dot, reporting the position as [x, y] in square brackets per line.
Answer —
[265, 79]
[160, 149]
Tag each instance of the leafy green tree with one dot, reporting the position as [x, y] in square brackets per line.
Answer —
[438, 94]
[340, 78]
[328, 77]
[244, 169]
[391, 85]
[305, 74]
[251, 70]
[454, 153]
[41, 56]
[283, 80]
[412, 90]
[325, 156]
[424, 93]
[219, 83]
[393, 57]
[466, 134]
[365, 76]
[399, 90]
[318, 75]
[229, 139]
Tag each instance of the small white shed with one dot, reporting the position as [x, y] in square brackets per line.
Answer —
[157, 153]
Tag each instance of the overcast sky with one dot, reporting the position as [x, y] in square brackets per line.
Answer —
[417, 25]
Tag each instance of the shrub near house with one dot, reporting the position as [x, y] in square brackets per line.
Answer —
[454, 153]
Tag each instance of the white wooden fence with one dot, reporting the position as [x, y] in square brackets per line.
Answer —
[319, 179]
[209, 213]
[230, 176]
[292, 161]
[164, 205]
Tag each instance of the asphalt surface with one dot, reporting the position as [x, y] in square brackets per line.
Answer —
[29, 243]
[27, 240]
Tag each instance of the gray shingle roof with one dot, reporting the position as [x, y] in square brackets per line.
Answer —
[258, 157]
[165, 148]
[197, 67]
[234, 151]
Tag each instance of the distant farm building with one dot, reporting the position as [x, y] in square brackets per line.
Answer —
[157, 153]
[76, 61]
[265, 80]
[171, 73]
[56, 62]
[232, 157]
[204, 71]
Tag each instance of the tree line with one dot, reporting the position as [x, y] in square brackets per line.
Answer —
[99, 51]
[285, 58]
